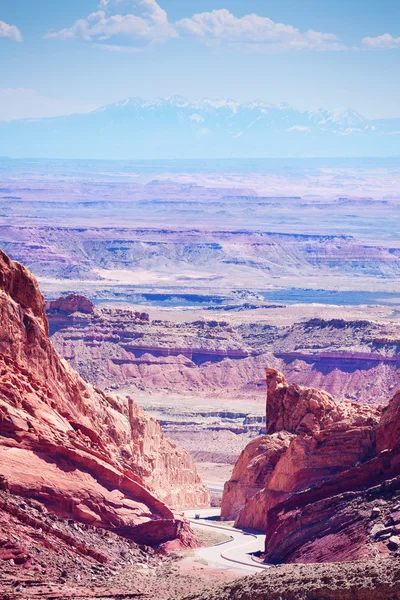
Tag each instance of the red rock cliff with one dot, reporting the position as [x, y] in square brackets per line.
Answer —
[311, 481]
[97, 459]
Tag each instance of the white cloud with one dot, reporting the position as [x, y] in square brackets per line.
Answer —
[254, 32]
[299, 128]
[22, 103]
[121, 24]
[136, 24]
[196, 118]
[10, 31]
[147, 9]
[381, 42]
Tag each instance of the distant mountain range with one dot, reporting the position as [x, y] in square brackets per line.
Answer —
[177, 128]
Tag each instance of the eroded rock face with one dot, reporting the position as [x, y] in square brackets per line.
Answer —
[94, 458]
[253, 471]
[303, 410]
[388, 433]
[118, 347]
[314, 498]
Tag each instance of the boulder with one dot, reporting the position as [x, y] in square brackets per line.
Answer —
[394, 542]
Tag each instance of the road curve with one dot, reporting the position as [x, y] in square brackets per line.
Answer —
[235, 553]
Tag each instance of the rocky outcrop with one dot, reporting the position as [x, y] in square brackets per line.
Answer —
[83, 454]
[163, 466]
[252, 471]
[388, 432]
[302, 410]
[72, 307]
[318, 437]
[43, 555]
[315, 497]
[70, 304]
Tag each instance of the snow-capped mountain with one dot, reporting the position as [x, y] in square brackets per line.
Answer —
[207, 128]
[341, 117]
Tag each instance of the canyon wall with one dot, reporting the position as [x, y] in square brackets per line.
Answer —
[323, 482]
[239, 253]
[121, 347]
[85, 455]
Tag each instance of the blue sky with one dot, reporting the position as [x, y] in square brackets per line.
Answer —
[70, 55]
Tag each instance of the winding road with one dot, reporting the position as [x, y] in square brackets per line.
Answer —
[235, 553]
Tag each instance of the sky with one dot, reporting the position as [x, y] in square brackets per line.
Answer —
[64, 56]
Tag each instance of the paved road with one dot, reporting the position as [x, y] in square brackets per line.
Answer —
[214, 486]
[234, 554]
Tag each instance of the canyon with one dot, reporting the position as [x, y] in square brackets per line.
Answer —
[168, 290]
[168, 362]
[87, 471]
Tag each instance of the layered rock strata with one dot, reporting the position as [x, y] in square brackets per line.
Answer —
[118, 347]
[313, 481]
[84, 455]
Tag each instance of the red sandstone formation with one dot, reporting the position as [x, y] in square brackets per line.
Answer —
[311, 483]
[388, 432]
[64, 443]
[252, 471]
[70, 304]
